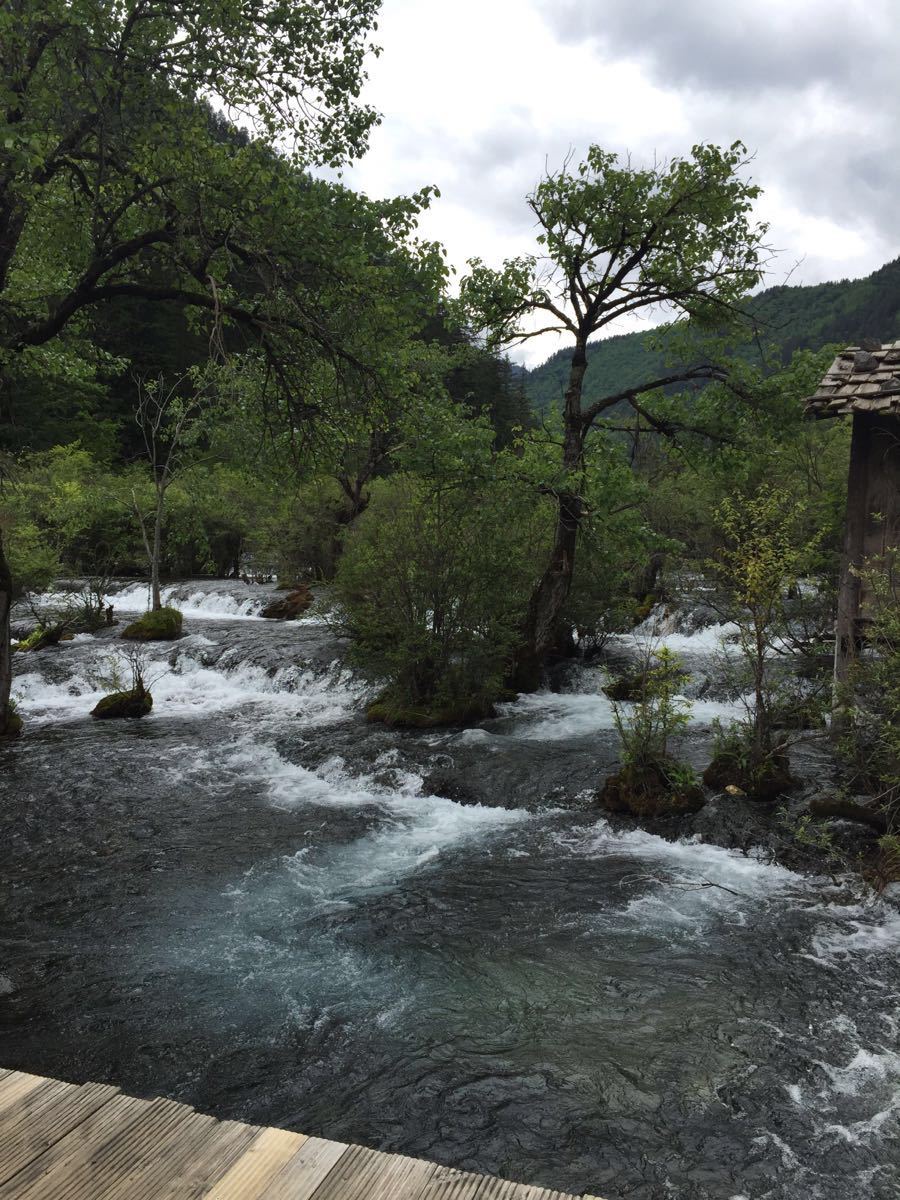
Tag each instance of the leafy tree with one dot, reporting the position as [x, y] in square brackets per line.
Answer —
[616, 239]
[114, 183]
[434, 575]
[759, 564]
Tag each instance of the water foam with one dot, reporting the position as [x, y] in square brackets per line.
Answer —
[184, 685]
[413, 827]
[552, 716]
[191, 601]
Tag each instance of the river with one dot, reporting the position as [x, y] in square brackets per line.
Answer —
[257, 903]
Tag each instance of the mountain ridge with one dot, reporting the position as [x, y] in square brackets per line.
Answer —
[794, 316]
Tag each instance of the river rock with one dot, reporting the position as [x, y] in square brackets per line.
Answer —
[161, 625]
[291, 606]
[136, 703]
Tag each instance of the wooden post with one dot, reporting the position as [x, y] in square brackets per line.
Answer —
[846, 630]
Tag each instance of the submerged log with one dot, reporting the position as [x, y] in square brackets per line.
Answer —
[849, 810]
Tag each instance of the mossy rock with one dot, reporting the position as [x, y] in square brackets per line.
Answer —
[40, 638]
[627, 687]
[765, 780]
[410, 716]
[13, 726]
[136, 703]
[647, 791]
[160, 626]
[291, 606]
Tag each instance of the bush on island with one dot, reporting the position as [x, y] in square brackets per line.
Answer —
[160, 626]
[398, 714]
[661, 788]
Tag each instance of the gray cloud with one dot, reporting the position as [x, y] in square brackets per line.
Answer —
[812, 86]
[740, 45]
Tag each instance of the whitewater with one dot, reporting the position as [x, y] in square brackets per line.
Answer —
[430, 942]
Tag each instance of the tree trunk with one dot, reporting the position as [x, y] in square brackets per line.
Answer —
[541, 627]
[7, 721]
[357, 503]
[156, 598]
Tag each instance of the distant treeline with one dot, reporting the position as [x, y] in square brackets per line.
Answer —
[789, 319]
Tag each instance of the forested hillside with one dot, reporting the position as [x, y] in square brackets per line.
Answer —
[791, 318]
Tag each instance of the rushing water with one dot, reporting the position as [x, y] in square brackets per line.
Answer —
[257, 903]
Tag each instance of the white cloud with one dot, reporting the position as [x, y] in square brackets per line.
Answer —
[477, 97]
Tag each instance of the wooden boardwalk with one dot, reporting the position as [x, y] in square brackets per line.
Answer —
[65, 1141]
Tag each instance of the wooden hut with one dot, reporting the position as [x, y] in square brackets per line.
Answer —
[863, 382]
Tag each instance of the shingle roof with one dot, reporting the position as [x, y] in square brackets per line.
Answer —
[862, 378]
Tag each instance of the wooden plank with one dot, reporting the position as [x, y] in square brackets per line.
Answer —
[18, 1115]
[111, 1121]
[153, 1153]
[226, 1145]
[505, 1189]
[112, 1162]
[176, 1161]
[50, 1124]
[258, 1165]
[63, 1141]
[303, 1173]
[15, 1087]
[448, 1183]
[848, 600]
[363, 1174]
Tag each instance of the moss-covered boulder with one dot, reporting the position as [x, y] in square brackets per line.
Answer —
[160, 626]
[136, 703]
[291, 606]
[651, 790]
[400, 715]
[765, 780]
[41, 637]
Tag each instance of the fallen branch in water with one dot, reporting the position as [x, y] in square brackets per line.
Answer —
[684, 884]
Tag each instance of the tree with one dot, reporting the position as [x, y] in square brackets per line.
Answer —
[115, 181]
[170, 424]
[435, 572]
[759, 564]
[616, 240]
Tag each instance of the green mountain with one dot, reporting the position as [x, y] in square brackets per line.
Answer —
[793, 318]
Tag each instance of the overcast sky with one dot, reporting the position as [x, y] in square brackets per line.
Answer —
[478, 95]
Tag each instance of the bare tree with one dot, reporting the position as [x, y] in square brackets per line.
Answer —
[171, 424]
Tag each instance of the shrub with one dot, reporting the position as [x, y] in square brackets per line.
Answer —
[432, 584]
[738, 761]
[652, 782]
[132, 700]
[660, 712]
